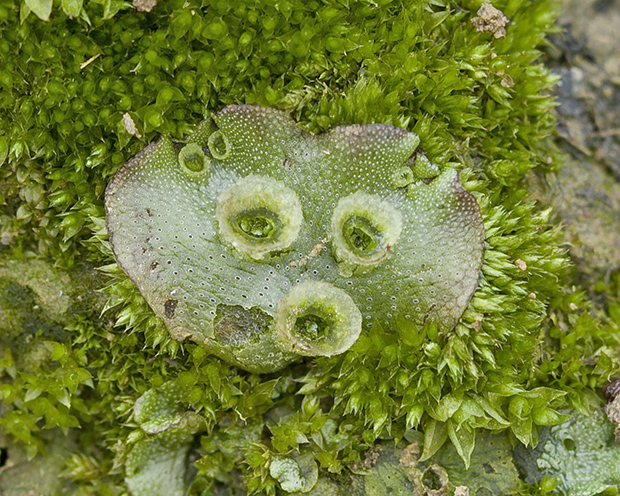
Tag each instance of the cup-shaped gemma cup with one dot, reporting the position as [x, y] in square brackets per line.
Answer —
[318, 319]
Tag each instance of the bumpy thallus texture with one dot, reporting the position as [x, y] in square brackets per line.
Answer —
[266, 242]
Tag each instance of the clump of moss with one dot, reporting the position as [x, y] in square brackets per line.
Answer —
[528, 345]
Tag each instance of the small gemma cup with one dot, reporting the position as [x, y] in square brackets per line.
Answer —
[193, 162]
[218, 145]
[318, 319]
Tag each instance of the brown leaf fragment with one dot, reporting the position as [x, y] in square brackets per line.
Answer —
[490, 20]
[130, 126]
[144, 5]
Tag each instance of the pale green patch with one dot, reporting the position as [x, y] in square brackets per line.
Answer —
[158, 464]
[42, 8]
[582, 455]
[298, 474]
[22, 475]
[49, 286]
[214, 256]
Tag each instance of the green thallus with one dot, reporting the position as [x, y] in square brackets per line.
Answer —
[266, 243]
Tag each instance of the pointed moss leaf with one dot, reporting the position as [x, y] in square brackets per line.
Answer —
[435, 434]
[492, 412]
[464, 440]
[111, 7]
[522, 429]
[547, 416]
[216, 253]
[32, 394]
[4, 149]
[72, 7]
[447, 406]
[543, 395]
[41, 8]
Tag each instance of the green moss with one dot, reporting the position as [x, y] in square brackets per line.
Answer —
[528, 345]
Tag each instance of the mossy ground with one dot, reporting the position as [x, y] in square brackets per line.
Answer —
[529, 344]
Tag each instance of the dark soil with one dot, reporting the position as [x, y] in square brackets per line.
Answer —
[585, 193]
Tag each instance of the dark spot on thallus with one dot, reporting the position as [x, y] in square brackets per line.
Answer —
[236, 326]
[169, 308]
[148, 211]
[154, 265]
